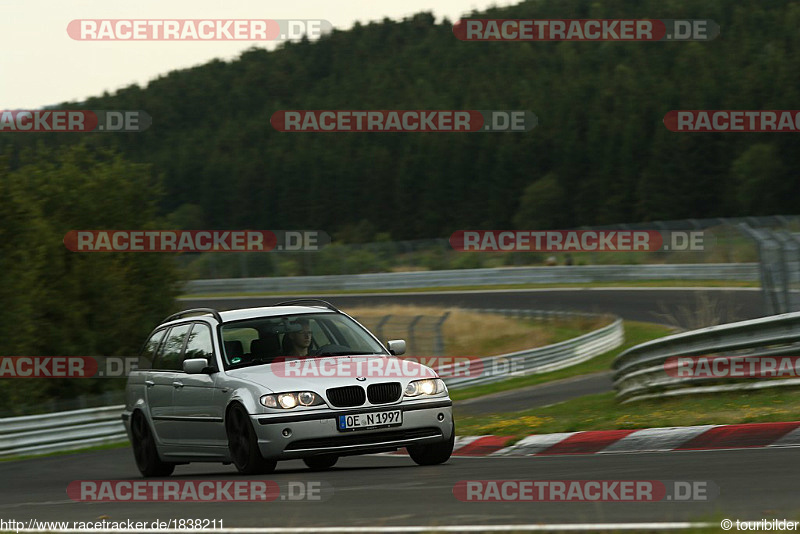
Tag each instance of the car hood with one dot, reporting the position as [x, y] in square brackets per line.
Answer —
[332, 371]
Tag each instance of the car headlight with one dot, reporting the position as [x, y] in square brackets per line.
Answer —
[429, 386]
[306, 398]
[289, 400]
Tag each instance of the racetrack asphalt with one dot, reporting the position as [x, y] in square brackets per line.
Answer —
[390, 490]
[387, 490]
[536, 396]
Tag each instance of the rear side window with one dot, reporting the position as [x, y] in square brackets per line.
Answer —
[199, 344]
[169, 357]
[149, 350]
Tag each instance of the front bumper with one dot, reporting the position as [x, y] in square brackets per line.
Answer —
[316, 433]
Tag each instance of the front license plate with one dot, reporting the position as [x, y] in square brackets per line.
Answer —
[368, 421]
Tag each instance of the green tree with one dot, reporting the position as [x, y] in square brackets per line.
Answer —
[543, 204]
[760, 178]
[62, 303]
[600, 107]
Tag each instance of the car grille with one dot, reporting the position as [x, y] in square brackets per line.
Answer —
[364, 439]
[347, 396]
[383, 393]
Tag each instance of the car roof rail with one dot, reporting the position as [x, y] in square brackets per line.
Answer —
[181, 314]
[325, 303]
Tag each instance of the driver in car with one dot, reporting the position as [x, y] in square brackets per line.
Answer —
[297, 342]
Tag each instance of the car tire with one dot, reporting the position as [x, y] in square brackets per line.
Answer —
[321, 462]
[243, 444]
[435, 453]
[145, 451]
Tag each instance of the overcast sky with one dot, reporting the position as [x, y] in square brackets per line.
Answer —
[41, 65]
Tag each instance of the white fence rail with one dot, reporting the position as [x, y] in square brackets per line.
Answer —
[641, 371]
[61, 431]
[543, 359]
[479, 277]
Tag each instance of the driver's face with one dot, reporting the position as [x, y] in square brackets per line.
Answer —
[302, 339]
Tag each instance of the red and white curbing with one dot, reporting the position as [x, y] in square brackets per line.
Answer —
[706, 437]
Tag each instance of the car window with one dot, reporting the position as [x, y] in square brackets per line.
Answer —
[350, 340]
[243, 335]
[169, 357]
[321, 337]
[331, 333]
[199, 344]
[149, 350]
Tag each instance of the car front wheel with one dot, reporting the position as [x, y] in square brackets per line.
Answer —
[435, 453]
[321, 462]
[144, 449]
[243, 444]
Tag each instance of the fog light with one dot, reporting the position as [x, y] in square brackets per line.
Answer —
[287, 432]
[440, 417]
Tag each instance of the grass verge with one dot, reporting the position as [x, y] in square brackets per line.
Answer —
[635, 333]
[603, 412]
[467, 333]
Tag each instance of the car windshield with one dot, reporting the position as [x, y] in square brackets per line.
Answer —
[262, 340]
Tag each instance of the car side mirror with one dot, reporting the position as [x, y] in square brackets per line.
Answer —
[396, 346]
[195, 366]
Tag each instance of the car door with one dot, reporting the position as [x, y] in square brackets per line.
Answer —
[196, 418]
[161, 383]
[138, 389]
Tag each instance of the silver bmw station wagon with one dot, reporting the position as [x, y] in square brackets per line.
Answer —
[297, 380]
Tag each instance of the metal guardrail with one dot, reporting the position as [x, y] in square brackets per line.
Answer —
[52, 405]
[542, 359]
[479, 277]
[61, 431]
[641, 373]
[64, 431]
